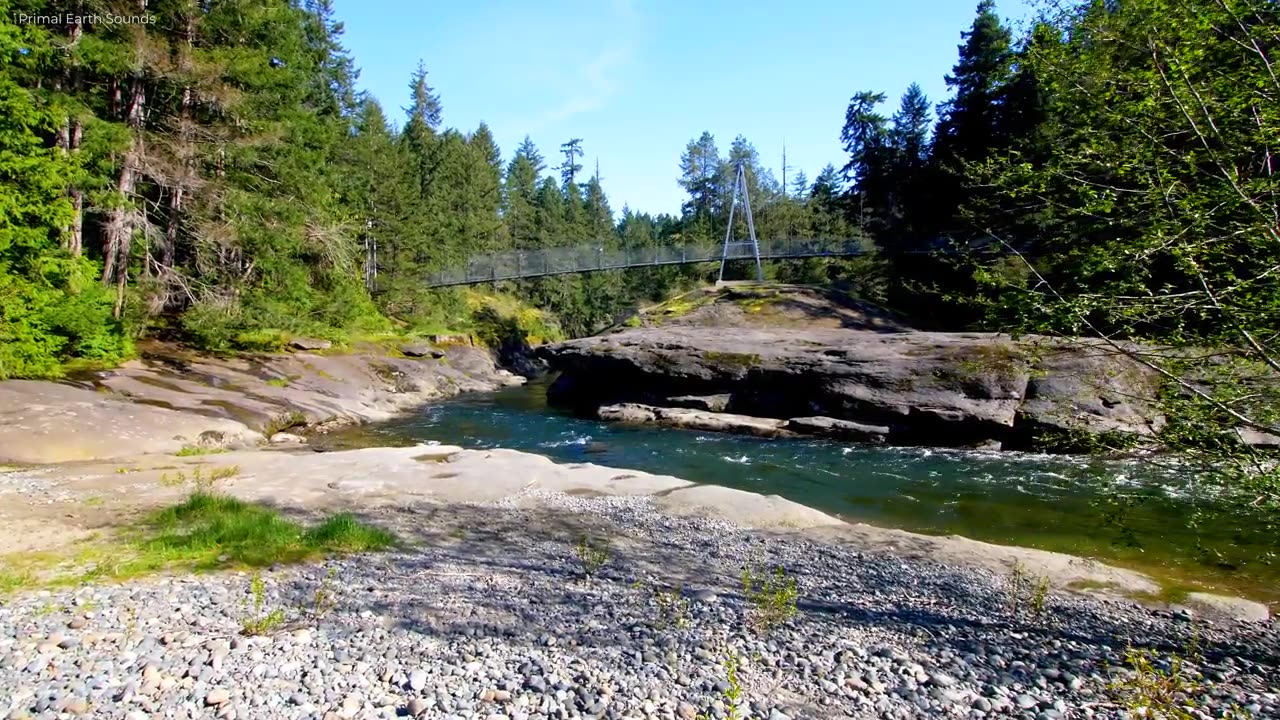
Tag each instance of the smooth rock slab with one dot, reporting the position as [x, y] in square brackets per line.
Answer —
[694, 419]
[839, 429]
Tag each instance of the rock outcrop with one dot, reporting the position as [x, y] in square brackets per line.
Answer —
[170, 399]
[865, 383]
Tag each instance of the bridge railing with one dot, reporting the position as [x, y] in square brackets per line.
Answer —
[586, 258]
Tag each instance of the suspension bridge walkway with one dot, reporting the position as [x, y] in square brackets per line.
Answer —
[519, 264]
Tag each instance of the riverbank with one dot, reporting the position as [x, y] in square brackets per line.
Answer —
[173, 400]
[485, 610]
[156, 419]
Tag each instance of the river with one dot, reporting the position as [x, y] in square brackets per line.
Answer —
[1131, 513]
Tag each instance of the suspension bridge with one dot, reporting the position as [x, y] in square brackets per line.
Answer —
[589, 258]
[514, 265]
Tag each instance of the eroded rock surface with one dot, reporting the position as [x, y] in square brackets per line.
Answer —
[828, 365]
[908, 387]
[170, 399]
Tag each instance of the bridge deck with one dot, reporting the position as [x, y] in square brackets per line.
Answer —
[591, 258]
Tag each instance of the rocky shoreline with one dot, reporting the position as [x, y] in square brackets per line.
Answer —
[486, 613]
[489, 615]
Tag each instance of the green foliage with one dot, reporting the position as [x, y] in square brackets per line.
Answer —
[673, 608]
[732, 697]
[593, 554]
[208, 531]
[259, 620]
[1147, 212]
[325, 598]
[772, 595]
[50, 308]
[1028, 592]
[1164, 687]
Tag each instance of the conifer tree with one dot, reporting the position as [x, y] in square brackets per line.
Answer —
[520, 194]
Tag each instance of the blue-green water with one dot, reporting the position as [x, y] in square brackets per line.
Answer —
[1051, 502]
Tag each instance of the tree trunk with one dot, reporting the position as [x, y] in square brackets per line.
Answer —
[69, 141]
[118, 230]
[73, 235]
[184, 151]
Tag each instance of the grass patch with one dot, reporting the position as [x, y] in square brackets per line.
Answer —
[260, 621]
[207, 531]
[1028, 591]
[16, 579]
[1167, 594]
[772, 595]
[593, 554]
[197, 450]
[280, 382]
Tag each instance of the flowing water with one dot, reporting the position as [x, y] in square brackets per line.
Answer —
[1131, 513]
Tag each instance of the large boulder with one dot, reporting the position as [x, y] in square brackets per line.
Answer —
[838, 429]
[694, 419]
[922, 388]
[303, 343]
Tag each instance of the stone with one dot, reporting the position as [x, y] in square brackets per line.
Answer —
[303, 343]
[419, 350]
[417, 680]
[286, 438]
[704, 595]
[694, 419]
[1235, 608]
[951, 389]
[711, 403]
[838, 429]
[450, 339]
[216, 696]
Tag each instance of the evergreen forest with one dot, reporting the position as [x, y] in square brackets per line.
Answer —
[214, 175]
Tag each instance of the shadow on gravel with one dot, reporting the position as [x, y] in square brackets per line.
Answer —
[475, 571]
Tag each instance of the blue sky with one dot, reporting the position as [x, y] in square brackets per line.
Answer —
[638, 79]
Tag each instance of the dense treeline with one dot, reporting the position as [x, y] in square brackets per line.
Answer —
[1109, 176]
[209, 169]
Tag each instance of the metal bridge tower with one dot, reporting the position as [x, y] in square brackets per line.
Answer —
[740, 191]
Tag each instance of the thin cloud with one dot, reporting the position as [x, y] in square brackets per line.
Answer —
[597, 80]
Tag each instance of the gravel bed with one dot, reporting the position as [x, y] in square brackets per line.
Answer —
[31, 485]
[489, 616]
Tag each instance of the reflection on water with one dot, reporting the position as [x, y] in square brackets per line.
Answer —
[1050, 502]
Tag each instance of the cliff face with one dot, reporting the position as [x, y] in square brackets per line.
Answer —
[831, 368]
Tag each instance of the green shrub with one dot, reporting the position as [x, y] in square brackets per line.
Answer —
[772, 595]
[60, 315]
[259, 621]
[592, 554]
[1027, 591]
